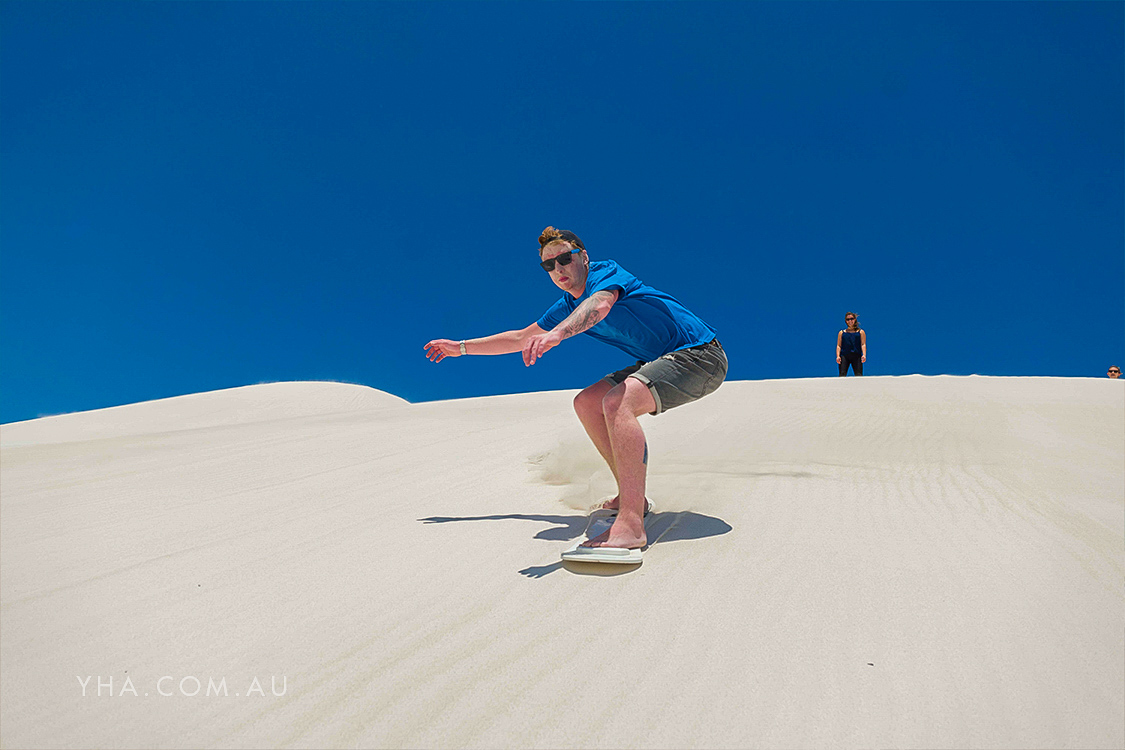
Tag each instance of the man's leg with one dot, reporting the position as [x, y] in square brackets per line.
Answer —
[588, 406]
[621, 406]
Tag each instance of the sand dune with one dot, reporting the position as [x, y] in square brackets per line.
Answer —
[886, 561]
[234, 406]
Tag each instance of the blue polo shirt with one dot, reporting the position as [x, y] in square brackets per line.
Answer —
[645, 323]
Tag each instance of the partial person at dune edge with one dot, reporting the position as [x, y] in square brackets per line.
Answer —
[851, 346]
[1114, 372]
[679, 360]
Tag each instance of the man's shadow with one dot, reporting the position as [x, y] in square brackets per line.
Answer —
[660, 528]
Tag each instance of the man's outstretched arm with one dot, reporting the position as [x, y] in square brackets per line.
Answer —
[587, 315]
[498, 343]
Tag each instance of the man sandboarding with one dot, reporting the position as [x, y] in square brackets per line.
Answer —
[679, 360]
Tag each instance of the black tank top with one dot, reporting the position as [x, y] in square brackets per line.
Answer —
[851, 343]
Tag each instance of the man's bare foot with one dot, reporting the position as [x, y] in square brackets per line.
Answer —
[620, 535]
[615, 504]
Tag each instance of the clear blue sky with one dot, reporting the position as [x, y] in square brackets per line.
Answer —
[203, 195]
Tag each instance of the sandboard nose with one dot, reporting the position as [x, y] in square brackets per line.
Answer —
[578, 553]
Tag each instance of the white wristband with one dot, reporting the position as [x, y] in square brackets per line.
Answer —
[463, 348]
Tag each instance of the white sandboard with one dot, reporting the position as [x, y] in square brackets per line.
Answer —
[600, 521]
[578, 553]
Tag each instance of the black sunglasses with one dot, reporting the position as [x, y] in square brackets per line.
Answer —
[563, 259]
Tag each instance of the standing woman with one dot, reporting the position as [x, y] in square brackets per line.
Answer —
[851, 346]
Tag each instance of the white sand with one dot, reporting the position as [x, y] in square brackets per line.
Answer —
[886, 561]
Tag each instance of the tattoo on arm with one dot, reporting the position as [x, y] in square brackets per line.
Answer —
[586, 315]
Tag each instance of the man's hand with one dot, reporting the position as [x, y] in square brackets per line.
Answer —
[439, 349]
[585, 316]
[537, 346]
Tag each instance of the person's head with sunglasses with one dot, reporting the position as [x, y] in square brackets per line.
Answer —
[563, 256]
[1114, 371]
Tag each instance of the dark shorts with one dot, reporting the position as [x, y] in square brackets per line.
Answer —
[679, 377]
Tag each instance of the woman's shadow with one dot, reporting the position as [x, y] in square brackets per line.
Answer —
[660, 527]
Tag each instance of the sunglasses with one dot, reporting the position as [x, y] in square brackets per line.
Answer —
[848, 320]
[1116, 372]
[563, 259]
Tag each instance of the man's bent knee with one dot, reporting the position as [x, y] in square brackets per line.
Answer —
[631, 395]
[589, 400]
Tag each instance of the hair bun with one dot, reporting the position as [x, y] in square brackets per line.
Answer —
[549, 235]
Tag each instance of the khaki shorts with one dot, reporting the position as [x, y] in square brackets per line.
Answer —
[679, 377]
